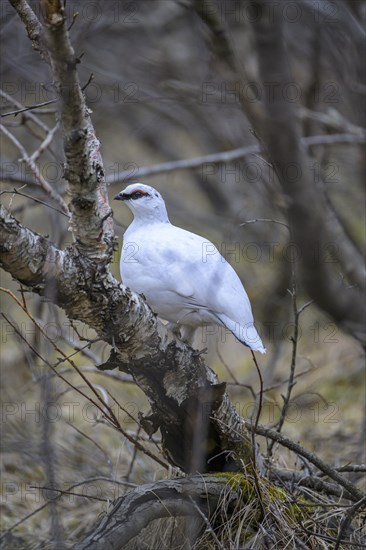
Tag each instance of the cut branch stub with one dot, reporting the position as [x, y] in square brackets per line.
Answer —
[53, 12]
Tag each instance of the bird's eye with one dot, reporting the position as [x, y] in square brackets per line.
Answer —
[137, 195]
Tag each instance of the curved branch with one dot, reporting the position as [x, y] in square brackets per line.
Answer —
[163, 499]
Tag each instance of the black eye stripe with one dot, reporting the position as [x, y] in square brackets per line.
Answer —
[138, 194]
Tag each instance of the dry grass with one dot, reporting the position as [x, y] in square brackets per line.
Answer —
[84, 448]
[285, 520]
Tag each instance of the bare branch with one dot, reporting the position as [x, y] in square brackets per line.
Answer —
[38, 201]
[61, 493]
[347, 520]
[223, 157]
[27, 110]
[26, 255]
[311, 457]
[91, 220]
[353, 468]
[27, 115]
[209, 528]
[277, 127]
[302, 480]
[32, 165]
[291, 380]
[186, 164]
[45, 143]
[247, 222]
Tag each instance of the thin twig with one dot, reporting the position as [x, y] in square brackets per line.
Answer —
[90, 480]
[134, 455]
[228, 368]
[236, 381]
[111, 417]
[347, 520]
[254, 446]
[279, 384]
[45, 143]
[209, 527]
[184, 164]
[62, 492]
[123, 408]
[311, 457]
[109, 462]
[21, 109]
[32, 165]
[291, 379]
[29, 108]
[132, 439]
[306, 481]
[23, 519]
[74, 17]
[17, 192]
[328, 538]
[247, 222]
[108, 374]
[260, 398]
[90, 79]
[69, 384]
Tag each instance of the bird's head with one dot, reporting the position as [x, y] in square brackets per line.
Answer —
[144, 201]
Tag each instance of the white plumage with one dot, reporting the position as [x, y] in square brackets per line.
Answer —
[183, 276]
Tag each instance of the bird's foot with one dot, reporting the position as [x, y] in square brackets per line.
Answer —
[187, 334]
[175, 328]
[183, 332]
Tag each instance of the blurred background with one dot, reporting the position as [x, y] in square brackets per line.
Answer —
[157, 93]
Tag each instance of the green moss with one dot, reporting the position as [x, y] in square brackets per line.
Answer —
[270, 494]
[236, 481]
[239, 519]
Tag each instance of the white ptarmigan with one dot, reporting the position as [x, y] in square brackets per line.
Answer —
[183, 277]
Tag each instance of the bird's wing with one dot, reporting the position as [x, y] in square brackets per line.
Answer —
[192, 267]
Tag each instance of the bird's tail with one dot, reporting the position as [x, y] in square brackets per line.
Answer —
[246, 334]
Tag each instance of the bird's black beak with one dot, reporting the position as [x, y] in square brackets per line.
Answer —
[121, 197]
